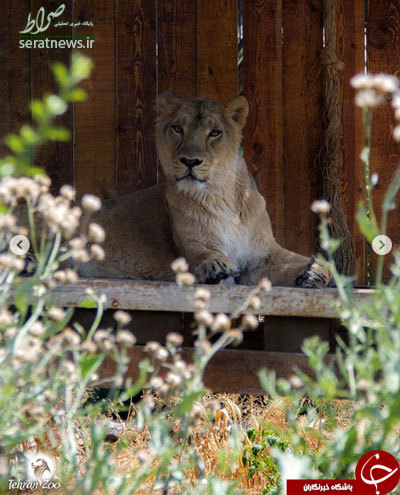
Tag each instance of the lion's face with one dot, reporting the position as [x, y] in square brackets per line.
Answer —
[198, 139]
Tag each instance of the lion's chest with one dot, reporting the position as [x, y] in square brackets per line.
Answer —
[237, 242]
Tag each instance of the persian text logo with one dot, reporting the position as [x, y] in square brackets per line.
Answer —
[42, 22]
[379, 471]
[41, 19]
[40, 473]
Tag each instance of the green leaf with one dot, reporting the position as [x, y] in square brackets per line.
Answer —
[36, 171]
[77, 94]
[21, 297]
[368, 226]
[186, 405]
[15, 143]
[140, 383]
[123, 442]
[29, 135]
[88, 304]
[37, 109]
[61, 74]
[89, 364]
[7, 390]
[58, 134]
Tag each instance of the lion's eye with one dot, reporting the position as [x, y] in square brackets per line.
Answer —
[215, 133]
[178, 129]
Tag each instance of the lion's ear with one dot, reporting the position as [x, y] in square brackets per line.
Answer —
[237, 109]
[166, 103]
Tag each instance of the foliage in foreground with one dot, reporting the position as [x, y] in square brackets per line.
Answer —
[366, 368]
[47, 366]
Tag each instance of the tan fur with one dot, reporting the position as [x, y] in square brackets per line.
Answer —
[216, 219]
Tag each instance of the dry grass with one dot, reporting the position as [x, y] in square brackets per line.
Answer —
[240, 412]
[211, 437]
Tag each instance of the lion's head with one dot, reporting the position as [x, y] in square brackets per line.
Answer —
[198, 139]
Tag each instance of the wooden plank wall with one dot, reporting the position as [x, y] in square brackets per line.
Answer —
[189, 47]
[384, 56]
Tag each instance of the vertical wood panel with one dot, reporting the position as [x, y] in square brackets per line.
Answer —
[350, 49]
[15, 74]
[262, 21]
[177, 47]
[217, 49]
[95, 118]
[384, 56]
[56, 157]
[136, 93]
[177, 50]
[302, 120]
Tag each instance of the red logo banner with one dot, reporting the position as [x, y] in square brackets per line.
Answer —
[377, 473]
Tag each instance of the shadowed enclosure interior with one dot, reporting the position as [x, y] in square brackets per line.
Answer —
[269, 50]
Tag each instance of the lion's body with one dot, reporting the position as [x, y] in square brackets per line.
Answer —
[209, 209]
[139, 241]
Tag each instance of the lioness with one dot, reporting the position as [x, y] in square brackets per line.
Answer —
[209, 209]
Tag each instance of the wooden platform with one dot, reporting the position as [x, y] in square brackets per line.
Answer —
[291, 315]
[164, 296]
[230, 370]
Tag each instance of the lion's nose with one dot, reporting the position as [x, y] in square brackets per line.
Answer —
[190, 162]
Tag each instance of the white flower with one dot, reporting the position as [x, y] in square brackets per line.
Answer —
[175, 339]
[122, 318]
[204, 318]
[185, 279]
[374, 179]
[68, 192]
[91, 203]
[5, 317]
[265, 285]
[125, 338]
[80, 255]
[70, 276]
[221, 323]
[368, 99]
[396, 133]
[97, 252]
[7, 222]
[37, 329]
[56, 314]
[254, 303]
[321, 206]
[250, 322]
[96, 233]
[77, 243]
[385, 83]
[361, 81]
[180, 265]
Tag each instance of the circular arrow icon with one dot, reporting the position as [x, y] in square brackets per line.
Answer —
[382, 245]
[19, 245]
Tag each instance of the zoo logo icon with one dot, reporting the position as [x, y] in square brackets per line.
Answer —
[41, 471]
[379, 472]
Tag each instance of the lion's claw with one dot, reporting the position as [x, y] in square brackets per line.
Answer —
[314, 276]
[214, 269]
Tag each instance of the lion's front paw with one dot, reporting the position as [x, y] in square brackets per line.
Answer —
[314, 276]
[214, 269]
